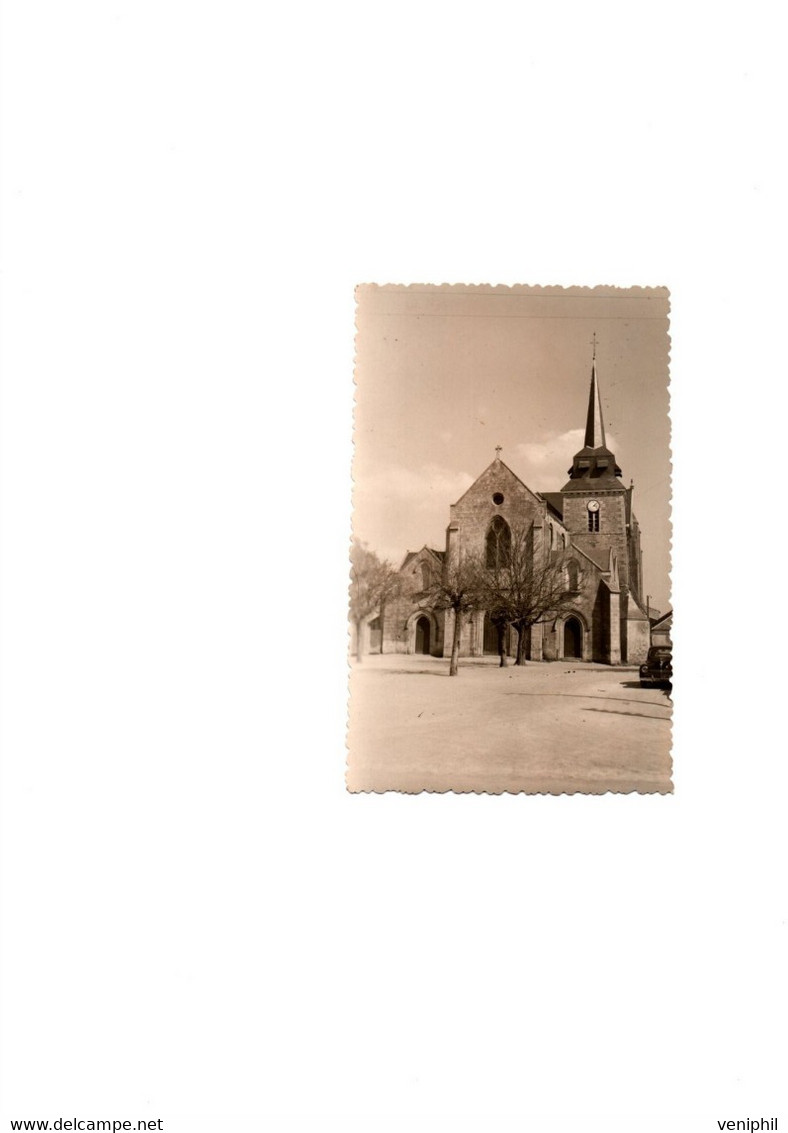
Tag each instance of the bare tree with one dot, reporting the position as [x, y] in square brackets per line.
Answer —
[373, 581]
[525, 586]
[461, 588]
[499, 617]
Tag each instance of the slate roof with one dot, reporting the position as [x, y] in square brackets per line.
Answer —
[597, 555]
[592, 477]
[595, 422]
[411, 555]
[555, 501]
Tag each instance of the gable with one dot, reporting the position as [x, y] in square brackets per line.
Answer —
[497, 478]
[426, 554]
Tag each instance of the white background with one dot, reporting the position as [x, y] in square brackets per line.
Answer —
[199, 924]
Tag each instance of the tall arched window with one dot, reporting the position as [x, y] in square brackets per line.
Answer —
[572, 574]
[426, 577]
[499, 543]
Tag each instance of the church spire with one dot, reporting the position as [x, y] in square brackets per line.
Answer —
[595, 463]
[595, 425]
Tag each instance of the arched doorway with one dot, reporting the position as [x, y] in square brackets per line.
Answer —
[375, 636]
[423, 629]
[490, 636]
[573, 638]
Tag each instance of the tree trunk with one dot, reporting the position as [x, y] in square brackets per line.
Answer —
[359, 639]
[520, 645]
[455, 644]
[501, 650]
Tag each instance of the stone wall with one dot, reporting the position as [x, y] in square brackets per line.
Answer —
[471, 516]
[638, 633]
[612, 532]
[401, 614]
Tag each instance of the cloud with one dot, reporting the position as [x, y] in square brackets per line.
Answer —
[543, 465]
[399, 509]
[417, 487]
[562, 446]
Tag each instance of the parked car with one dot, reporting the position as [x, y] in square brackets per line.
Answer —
[658, 667]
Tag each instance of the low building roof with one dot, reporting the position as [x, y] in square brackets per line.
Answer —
[555, 502]
[598, 555]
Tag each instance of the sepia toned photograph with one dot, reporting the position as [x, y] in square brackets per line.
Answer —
[510, 614]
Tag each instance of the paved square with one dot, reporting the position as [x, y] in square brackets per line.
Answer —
[560, 727]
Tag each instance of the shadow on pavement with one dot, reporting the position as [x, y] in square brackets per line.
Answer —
[665, 690]
[415, 672]
[438, 671]
[621, 712]
[581, 696]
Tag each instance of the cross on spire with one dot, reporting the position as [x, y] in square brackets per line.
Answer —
[593, 343]
[498, 451]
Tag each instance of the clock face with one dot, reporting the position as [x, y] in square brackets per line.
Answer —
[593, 505]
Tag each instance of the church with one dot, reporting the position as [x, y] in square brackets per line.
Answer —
[589, 527]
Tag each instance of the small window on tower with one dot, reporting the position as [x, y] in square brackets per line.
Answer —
[593, 521]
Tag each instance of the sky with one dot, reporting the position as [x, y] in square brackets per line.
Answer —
[443, 375]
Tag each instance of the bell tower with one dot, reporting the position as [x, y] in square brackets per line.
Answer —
[597, 506]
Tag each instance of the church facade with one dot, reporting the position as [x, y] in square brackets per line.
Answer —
[588, 527]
